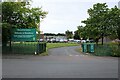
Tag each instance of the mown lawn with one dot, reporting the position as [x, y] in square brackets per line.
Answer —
[56, 45]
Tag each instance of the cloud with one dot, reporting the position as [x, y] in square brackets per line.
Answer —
[66, 14]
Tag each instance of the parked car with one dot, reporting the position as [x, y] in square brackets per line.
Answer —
[71, 40]
[40, 40]
[83, 41]
[65, 40]
[61, 40]
[91, 41]
[57, 40]
[52, 40]
[77, 41]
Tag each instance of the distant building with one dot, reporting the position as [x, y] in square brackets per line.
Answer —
[105, 39]
[41, 35]
[119, 4]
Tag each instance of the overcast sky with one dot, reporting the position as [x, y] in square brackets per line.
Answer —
[66, 14]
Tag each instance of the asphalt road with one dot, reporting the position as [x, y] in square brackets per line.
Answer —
[61, 63]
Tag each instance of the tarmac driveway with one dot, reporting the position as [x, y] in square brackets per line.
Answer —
[62, 62]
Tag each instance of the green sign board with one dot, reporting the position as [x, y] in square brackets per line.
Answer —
[23, 34]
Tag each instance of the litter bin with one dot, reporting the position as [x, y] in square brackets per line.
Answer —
[84, 47]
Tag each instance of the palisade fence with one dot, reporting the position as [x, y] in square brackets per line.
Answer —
[107, 50]
[25, 48]
[102, 50]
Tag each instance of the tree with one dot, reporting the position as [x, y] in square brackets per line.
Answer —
[49, 34]
[114, 17]
[76, 35]
[91, 31]
[97, 23]
[114, 20]
[82, 32]
[60, 34]
[19, 15]
[69, 34]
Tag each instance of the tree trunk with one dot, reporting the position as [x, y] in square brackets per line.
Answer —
[119, 42]
[96, 40]
[10, 40]
[102, 38]
[118, 32]
[10, 46]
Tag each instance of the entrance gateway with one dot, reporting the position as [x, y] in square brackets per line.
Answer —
[30, 45]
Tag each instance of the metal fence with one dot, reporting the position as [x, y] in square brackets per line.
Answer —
[25, 48]
[107, 50]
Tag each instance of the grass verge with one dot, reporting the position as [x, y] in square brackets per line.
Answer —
[57, 45]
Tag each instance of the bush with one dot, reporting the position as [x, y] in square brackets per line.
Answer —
[115, 50]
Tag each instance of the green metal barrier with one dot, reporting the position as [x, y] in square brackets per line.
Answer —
[41, 47]
[25, 48]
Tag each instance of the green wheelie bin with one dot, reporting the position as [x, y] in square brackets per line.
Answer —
[90, 47]
[84, 47]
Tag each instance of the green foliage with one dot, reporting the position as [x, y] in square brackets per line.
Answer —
[69, 34]
[114, 18]
[76, 35]
[19, 15]
[97, 22]
[52, 34]
[60, 34]
[115, 49]
[49, 34]
[102, 22]
[5, 33]
[82, 31]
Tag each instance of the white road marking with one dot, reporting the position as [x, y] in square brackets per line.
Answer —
[70, 55]
[76, 55]
[82, 55]
[73, 55]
